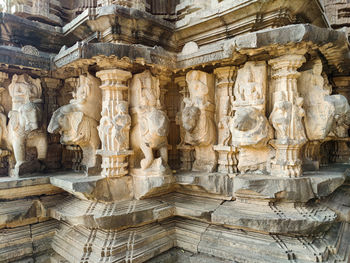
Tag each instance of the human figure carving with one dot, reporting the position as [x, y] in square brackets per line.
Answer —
[121, 126]
[149, 133]
[198, 121]
[25, 128]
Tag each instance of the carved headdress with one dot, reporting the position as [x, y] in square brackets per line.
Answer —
[24, 89]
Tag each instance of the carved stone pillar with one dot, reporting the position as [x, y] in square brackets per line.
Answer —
[4, 152]
[227, 159]
[115, 122]
[137, 4]
[52, 86]
[342, 150]
[54, 153]
[41, 7]
[286, 116]
[164, 80]
[186, 151]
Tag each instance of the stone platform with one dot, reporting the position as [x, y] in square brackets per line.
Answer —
[213, 224]
[311, 185]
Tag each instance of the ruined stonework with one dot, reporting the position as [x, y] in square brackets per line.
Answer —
[174, 131]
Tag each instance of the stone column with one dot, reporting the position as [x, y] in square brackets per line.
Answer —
[224, 95]
[186, 151]
[41, 7]
[286, 116]
[54, 153]
[52, 86]
[4, 153]
[72, 155]
[164, 80]
[115, 122]
[137, 4]
[342, 150]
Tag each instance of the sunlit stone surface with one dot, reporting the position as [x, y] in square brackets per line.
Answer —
[174, 131]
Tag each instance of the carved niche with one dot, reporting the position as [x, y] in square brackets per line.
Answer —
[77, 121]
[25, 128]
[198, 120]
[250, 129]
[150, 126]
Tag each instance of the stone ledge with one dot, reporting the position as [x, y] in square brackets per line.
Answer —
[262, 187]
[275, 218]
[263, 217]
[302, 189]
[15, 188]
[96, 187]
[144, 242]
[213, 185]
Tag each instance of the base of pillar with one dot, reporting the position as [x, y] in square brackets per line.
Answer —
[146, 185]
[114, 164]
[96, 188]
[287, 161]
[227, 160]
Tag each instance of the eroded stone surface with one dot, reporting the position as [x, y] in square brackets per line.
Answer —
[215, 129]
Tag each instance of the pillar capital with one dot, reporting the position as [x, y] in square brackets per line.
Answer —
[111, 77]
[286, 66]
[225, 72]
[3, 76]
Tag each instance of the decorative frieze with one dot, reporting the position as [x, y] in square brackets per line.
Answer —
[115, 122]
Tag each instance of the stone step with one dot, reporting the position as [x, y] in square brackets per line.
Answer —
[28, 241]
[287, 218]
[77, 243]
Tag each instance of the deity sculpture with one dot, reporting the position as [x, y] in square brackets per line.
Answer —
[250, 129]
[118, 128]
[25, 128]
[77, 121]
[198, 120]
[151, 125]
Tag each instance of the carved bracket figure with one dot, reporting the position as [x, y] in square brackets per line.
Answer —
[151, 125]
[198, 120]
[327, 117]
[250, 129]
[25, 128]
[77, 122]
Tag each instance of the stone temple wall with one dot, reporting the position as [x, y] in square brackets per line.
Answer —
[174, 131]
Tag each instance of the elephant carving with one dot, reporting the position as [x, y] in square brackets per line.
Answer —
[25, 128]
[77, 121]
[76, 128]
